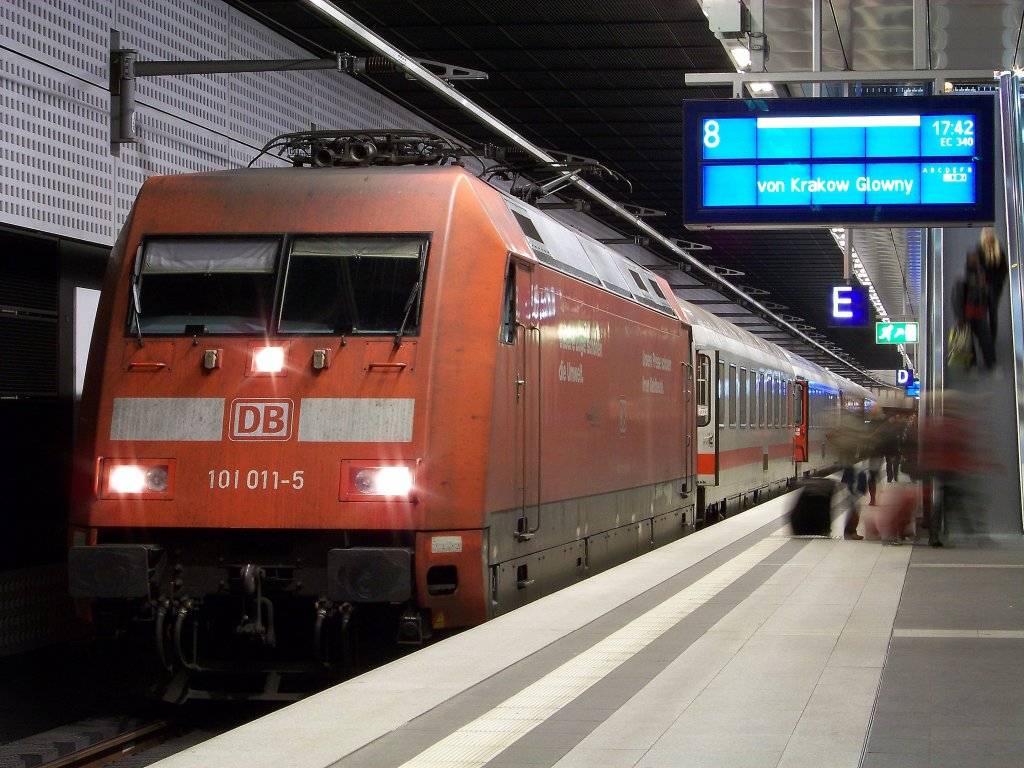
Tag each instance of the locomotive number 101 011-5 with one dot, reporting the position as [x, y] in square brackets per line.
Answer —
[255, 479]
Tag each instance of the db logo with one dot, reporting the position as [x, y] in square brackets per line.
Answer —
[260, 419]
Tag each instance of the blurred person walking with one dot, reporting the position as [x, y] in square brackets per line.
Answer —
[848, 440]
[996, 271]
[948, 453]
[970, 299]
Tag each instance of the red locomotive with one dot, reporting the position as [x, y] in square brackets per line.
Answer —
[317, 394]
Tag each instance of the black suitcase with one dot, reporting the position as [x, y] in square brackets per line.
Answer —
[811, 515]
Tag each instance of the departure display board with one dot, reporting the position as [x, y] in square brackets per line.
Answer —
[912, 161]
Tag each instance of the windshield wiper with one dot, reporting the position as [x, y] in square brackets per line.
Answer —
[136, 302]
[408, 307]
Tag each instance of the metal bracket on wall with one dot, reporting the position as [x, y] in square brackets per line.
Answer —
[125, 68]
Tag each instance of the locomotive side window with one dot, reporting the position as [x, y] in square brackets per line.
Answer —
[508, 309]
[204, 285]
[703, 390]
[354, 284]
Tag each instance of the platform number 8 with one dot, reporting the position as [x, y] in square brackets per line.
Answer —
[711, 136]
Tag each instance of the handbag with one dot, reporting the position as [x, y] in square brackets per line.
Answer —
[960, 346]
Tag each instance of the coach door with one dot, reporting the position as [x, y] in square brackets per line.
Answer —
[800, 410]
[708, 404]
[527, 387]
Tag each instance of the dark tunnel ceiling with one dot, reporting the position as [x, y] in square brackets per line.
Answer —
[604, 80]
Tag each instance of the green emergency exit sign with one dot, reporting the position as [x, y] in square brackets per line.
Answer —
[895, 333]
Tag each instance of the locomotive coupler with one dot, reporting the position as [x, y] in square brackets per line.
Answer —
[257, 628]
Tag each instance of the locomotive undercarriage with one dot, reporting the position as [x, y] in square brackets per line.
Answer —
[241, 620]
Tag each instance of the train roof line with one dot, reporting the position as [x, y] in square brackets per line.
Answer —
[416, 70]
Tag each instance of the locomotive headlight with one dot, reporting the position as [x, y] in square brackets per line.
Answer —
[383, 481]
[127, 478]
[268, 359]
[363, 481]
[156, 479]
[146, 478]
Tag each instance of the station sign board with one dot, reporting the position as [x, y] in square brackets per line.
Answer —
[895, 333]
[904, 376]
[848, 306]
[912, 161]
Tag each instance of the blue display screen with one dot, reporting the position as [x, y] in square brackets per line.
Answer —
[911, 160]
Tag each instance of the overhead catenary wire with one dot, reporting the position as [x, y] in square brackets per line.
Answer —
[446, 91]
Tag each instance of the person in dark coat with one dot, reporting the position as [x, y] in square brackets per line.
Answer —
[970, 299]
[889, 440]
[995, 274]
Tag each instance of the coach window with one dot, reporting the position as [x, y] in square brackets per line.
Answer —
[722, 389]
[755, 397]
[354, 284]
[759, 401]
[703, 390]
[734, 394]
[774, 402]
[204, 285]
[744, 394]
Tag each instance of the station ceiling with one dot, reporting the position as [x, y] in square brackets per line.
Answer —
[605, 79]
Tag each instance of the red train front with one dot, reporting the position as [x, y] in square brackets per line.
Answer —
[321, 393]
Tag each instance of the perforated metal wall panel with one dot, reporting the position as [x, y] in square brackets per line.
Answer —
[57, 171]
[35, 609]
[70, 37]
[60, 175]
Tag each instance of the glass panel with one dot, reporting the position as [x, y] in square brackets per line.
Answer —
[758, 414]
[508, 308]
[743, 392]
[354, 284]
[722, 393]
[734, 395]
[206, 285]
[703, 390]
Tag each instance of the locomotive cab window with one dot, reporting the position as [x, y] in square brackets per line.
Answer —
[508, 307]
[354, 285]
[204, 285]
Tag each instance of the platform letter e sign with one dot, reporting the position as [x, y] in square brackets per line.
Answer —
[260, 419]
